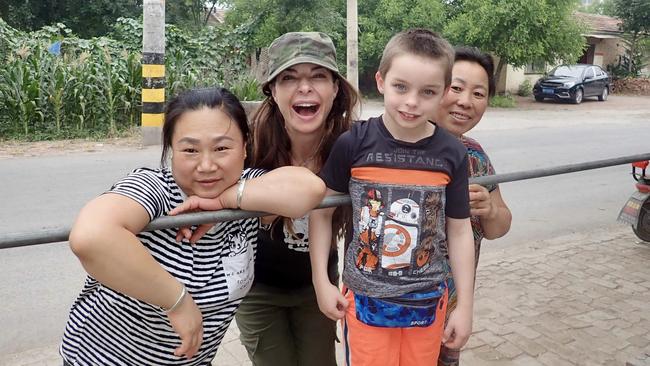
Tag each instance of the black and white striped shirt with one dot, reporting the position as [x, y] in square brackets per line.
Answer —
[106, 327]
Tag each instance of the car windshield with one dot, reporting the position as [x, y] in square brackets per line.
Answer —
[573, 71]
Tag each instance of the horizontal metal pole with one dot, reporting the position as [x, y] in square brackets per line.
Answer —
[43, 236]
[563, 169]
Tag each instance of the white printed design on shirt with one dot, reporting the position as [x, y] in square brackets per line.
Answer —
[299, 240]
[238, 267]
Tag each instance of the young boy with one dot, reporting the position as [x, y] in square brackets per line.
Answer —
[408, 182]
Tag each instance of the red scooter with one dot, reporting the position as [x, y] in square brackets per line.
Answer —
[636, 211]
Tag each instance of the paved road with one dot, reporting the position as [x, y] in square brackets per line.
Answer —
[40, 282]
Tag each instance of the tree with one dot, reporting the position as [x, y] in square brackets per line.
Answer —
[84, 18]
[604, 7]
[635, 17]
[519, 32]
[273, 18]
[190, 14]
[379, 20]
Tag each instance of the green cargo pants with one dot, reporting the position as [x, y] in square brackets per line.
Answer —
[285, 327]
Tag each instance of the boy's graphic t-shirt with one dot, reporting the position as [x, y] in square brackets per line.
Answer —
[401, 194]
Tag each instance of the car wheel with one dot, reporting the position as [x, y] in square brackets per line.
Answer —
[603, 96]
[539, 99]
[577, 98]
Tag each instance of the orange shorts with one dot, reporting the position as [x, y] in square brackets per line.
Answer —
[366, 345]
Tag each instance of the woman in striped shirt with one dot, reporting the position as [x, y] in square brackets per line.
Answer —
[148, 300]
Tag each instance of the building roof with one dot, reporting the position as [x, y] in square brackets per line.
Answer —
[600, 24]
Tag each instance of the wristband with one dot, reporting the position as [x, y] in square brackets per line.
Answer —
[178, 301]
[240, 191]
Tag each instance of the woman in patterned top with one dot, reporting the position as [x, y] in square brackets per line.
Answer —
[472, 85]
[148, 300]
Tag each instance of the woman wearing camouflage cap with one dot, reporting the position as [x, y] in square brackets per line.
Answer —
[308, 105]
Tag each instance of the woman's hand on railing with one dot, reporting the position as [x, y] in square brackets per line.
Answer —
[195, 204]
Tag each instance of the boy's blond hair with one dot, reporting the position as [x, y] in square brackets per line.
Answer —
[420, 42]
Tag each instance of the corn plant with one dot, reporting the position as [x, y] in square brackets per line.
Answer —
[20, 90]
[94, 87]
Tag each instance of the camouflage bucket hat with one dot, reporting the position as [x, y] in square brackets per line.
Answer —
[296, 48]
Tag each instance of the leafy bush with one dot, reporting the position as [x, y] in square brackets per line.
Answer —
[247, 88]
[525, 89]
[93, 88]
[503, 101]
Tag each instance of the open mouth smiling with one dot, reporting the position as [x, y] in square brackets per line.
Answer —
[306, 109]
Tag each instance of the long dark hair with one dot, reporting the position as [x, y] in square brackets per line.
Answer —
[195, 99]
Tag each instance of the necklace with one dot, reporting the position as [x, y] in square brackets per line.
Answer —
[307, 161]
[310, 158]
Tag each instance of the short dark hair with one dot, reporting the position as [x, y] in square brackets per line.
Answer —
[421, 42]
[473, 54]
[195, 99]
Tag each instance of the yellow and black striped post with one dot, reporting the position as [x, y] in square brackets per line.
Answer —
[153, 89]
[153, 71]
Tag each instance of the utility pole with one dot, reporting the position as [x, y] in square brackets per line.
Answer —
[153, 70]
[352, 45]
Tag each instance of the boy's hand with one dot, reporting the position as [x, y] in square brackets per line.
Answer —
[458, 329]
[331, 301]
[480, 202]
[187, 322]
[194, 204]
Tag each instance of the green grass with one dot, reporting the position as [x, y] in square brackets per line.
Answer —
[503, 101]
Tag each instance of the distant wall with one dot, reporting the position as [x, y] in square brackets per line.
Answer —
[516, 76]
[607, 50]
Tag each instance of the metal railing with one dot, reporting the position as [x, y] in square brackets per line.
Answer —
[60, 234]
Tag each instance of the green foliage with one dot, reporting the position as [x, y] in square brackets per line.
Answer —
[189, 14]
[635, 16]
[633, 66]
[270, 19]
[503, 101]
[519, 31]
[85, 18]
[247, 88]
[379, 20]
[93, 18]
[604, 7]
[94, 87]
[525, 89]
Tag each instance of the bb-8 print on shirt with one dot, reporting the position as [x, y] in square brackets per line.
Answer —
[400, 236]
